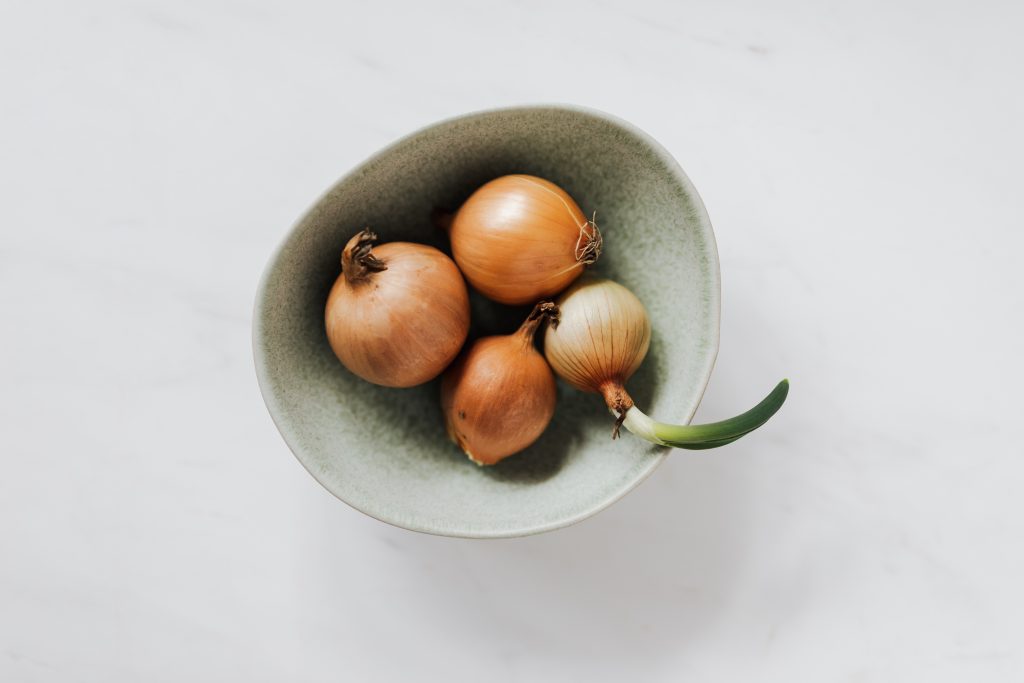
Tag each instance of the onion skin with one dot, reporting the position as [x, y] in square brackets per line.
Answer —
[398, 314]
[521, 238]
[499, 396]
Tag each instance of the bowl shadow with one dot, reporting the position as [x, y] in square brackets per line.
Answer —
[639, 584]
[645, 582]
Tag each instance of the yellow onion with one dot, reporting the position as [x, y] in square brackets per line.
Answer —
[499, 396]
[602, 337]
[398, 313]
[520, 238]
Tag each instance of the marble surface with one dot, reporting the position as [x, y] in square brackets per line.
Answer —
[860, 163]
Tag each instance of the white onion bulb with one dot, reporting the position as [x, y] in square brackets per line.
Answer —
[602, 337]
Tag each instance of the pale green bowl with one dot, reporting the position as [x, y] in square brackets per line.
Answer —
[384, 451]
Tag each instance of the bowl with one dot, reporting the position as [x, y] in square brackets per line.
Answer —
[384, 451]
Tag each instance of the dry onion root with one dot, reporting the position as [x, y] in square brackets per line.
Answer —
[601, 339]
[398, 313]
[520, 238]
[499, 396]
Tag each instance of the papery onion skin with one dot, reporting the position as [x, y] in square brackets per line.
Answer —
[499, 396]
[602, 336]
[520, 238]
[398, 314]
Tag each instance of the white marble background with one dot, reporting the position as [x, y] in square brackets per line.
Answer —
[861, 164]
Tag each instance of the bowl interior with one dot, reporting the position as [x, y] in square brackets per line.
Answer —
[384, 451]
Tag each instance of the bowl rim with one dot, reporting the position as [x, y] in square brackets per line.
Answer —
[704, 225]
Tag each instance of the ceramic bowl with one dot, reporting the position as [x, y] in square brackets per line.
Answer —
[384, 451]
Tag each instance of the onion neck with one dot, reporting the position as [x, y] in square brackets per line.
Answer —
[358, 262]
[618, 401]
[693, 437]
[545, 310]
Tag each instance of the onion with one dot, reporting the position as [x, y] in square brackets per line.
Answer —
[499, 396]
[398, 314]
[520, 238]
[601, 339]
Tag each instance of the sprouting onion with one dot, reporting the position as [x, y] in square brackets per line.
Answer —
[602, 337]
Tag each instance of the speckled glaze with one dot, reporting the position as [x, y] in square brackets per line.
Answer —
[384, 451]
